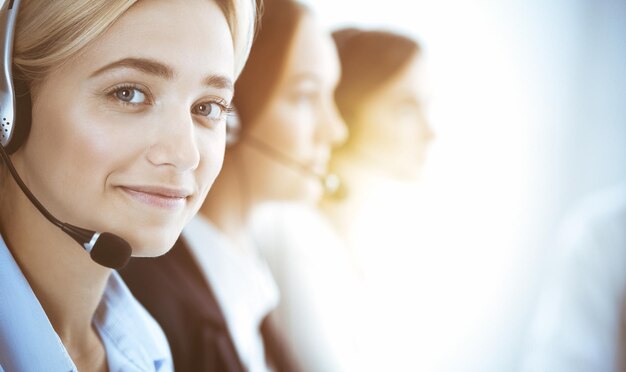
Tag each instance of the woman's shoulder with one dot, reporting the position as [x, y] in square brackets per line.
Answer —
[23, 322]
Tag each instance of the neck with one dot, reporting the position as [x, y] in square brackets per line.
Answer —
[360, 179]
[67, 283]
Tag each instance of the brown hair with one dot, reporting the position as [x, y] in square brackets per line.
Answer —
[254, 88]
[368, 60]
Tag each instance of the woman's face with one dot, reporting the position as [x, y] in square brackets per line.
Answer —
[390, 128]
[300, 121]
[128, 136]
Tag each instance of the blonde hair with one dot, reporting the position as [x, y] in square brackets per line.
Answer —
[51, 32]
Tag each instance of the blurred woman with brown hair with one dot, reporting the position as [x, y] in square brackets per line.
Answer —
[382, 97]
[323, 312]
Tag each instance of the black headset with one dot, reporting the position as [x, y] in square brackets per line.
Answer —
[105, 248]
[331, 183]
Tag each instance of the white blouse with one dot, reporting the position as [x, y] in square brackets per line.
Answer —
[243, 286]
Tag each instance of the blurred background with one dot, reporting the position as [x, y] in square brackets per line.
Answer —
[528, 105]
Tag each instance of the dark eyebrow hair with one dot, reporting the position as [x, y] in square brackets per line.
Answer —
[148, 66]
[156, 68]
[220, 82]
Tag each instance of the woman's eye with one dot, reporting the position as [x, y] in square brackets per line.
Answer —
[130, 95]
[306, 97]
[211, 110]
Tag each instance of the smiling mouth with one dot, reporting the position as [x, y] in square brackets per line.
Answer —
[159, 197]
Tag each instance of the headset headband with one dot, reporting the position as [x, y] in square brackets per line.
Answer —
[8, 15]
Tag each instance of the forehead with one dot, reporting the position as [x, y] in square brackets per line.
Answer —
[312, 53]
[189, 35]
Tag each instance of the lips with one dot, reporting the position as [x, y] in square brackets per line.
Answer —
[160, 197]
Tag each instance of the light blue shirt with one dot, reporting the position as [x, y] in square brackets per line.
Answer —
[132, 339]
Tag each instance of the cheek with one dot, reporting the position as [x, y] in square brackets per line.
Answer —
[70, 143]
[211, 161]
[68, 157]
[375, 127]
[299, 131]
[411, 131]
[99, 147]
[288, 127]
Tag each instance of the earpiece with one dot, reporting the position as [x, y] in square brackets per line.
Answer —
[331, 183]
[333, 187]
[233, 127]
[8, 16]
[23, 111]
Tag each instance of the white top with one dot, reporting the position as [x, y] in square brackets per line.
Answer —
[578, 321]
[242, 284]
[319, 313]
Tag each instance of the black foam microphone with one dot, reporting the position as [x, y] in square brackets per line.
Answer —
[104, 248]
[332, 184]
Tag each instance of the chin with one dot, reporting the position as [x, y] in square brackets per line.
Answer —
[153, 244]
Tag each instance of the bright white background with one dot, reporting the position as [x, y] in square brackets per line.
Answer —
[529, 108]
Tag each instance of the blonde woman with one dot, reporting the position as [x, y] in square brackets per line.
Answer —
[127, 135]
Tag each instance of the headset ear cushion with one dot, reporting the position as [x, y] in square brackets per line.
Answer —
[23, 112]
[233, 128]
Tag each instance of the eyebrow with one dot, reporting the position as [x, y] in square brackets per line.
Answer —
[152, 67]
[220, 82]
[142, 64]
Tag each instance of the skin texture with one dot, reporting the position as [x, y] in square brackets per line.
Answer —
[131, 149]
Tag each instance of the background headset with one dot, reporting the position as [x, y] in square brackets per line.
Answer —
[105, 248]
[331, 183]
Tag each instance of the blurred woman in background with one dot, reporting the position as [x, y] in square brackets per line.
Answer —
[323, 311]
[335, 319]
[221, 290]
[382, 97]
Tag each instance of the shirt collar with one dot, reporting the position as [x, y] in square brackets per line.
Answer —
[28, 342]
[127, 328]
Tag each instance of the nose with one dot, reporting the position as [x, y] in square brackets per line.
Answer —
[333, 128]
[175, 142]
